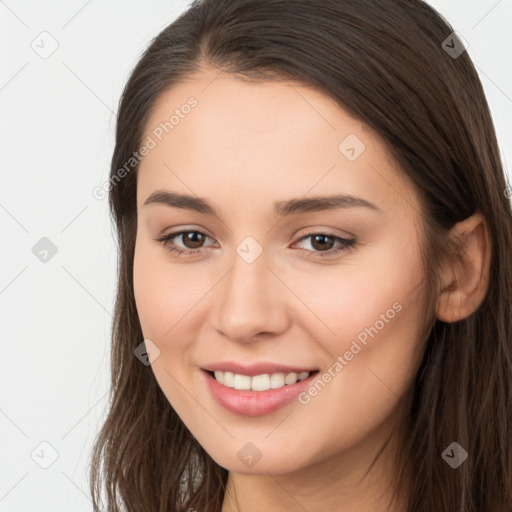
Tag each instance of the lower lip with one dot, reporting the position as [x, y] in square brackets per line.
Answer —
[255, 403]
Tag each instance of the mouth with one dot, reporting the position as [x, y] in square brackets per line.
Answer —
[256, 395]
[262, 382]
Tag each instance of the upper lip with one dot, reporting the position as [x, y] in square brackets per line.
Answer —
[254, 368]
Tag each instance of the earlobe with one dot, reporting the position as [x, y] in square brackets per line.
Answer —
[466, 279]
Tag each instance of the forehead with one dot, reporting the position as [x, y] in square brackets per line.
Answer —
[218, 135]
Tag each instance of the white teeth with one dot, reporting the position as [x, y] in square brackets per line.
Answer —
[291, 378]
[277, 380]
[242, 381]
[259, 382]
[229, 379]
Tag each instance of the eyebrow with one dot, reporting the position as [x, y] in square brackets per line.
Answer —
[281, 208]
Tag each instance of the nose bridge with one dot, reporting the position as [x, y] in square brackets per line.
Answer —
[250, 302]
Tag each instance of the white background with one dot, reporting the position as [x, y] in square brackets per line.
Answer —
[57, 124]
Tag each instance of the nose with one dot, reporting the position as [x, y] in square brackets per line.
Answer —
[251, 301]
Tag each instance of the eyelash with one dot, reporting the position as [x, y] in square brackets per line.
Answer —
[346, 244]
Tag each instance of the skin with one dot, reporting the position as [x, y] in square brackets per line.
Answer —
[243, 147]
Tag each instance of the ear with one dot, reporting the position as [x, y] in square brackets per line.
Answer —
[466, 280]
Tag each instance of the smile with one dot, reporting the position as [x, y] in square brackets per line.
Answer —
[256, 395]
[259, 382]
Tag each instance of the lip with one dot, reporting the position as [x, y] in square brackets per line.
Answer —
[255, 368]
[254, 403]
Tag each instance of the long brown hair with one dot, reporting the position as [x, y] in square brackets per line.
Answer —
[385, 62]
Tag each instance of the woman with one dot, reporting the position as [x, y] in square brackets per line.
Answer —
[314, 295]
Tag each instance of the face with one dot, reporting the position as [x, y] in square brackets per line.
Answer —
[299, 252]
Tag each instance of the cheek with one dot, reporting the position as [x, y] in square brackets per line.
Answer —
[161, 301]
[366, 289]
[159, 293]
[385, 323]
[167, 299]
[155, 295]
[375, 359]
[371, 309]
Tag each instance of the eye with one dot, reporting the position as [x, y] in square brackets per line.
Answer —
[325, 241]
[193, 243]
[194, 240]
